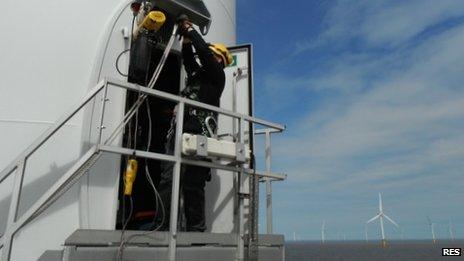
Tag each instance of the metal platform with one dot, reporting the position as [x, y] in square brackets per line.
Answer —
[103, 245]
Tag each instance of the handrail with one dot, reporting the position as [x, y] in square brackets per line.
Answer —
[264, 131]
[207, 164]
[52, 130]
[267, 152]
[14, 223]
[88, 160]
[193, 103]
[50, 195]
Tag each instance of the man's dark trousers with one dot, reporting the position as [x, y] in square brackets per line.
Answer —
[192, 187]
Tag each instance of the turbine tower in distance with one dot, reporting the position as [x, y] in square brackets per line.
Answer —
[365, 232]
[380, 216]
[323, 232]
[432, 229]
[450, 229]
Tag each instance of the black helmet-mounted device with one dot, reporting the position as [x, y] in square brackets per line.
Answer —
[195, 10]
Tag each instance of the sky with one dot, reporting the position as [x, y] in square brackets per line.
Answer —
[372, 96]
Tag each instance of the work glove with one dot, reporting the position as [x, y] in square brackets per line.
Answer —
[184, 24]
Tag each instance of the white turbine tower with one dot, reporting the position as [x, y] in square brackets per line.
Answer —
[450, 229]
[380, 216]
[432, 229]
[365, 231]
[323, 232]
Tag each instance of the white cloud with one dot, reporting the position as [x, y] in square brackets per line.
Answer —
[393, 121]
[381, 23]
[399, 22]
[409, 121]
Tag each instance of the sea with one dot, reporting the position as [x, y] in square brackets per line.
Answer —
[407, 250]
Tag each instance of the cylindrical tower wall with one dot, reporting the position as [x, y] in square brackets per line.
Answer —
[223, 27]
[52, 52]
[49, 53]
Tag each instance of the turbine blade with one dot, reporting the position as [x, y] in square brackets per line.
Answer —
[380, 202]
[430, 221]
[391, 220]
[372, 219]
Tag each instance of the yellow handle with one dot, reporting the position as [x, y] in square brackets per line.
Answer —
[129, 176]
[154, 20]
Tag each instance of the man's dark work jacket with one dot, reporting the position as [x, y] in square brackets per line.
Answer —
[205, 83]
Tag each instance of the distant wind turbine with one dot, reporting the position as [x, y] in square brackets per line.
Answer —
[323, 232]
[380, 216]
[365, 231]
[450, 228]
[432, 229]
[294, 236]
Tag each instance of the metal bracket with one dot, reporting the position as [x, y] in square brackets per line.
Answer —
[202, 146]
[240, 152]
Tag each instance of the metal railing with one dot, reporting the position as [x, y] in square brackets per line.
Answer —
[91, 156]
[267, 155]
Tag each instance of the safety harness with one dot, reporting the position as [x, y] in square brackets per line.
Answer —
[207, 120]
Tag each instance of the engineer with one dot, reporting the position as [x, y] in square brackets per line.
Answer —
[205, 83]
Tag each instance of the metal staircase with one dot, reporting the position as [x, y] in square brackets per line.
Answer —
[172, 240]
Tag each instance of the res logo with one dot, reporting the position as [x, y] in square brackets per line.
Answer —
[451, 251]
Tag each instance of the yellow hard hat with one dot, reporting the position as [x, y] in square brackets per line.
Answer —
[221, 50]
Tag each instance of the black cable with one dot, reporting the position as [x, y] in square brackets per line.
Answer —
[126, 222]
[136, 130]
[117, 63]
[147, 68]
[129, 143]
[158, 200]
[121, 245]
[125, 51]
[147, 172]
